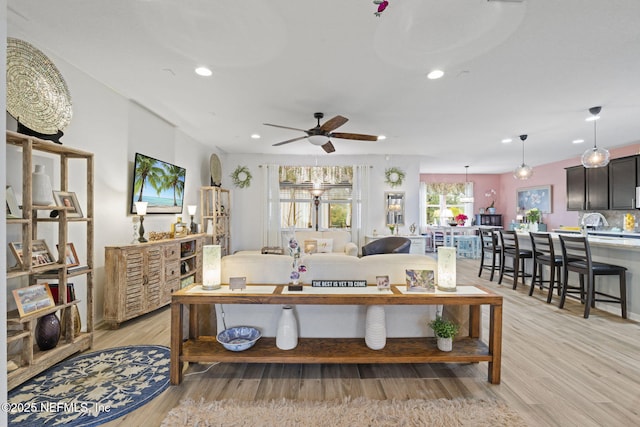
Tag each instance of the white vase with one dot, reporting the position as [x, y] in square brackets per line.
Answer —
[375, 332]
[533, 227]
[287, 332]
[41, 193]
[445, 344]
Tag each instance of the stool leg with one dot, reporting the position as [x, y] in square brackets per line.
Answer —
[533, 277]
[565, 285]
[589, 292]
[623, 293]
[493, 264]
[516, 269]
[481, 263]
[552, 282]
[502, 258]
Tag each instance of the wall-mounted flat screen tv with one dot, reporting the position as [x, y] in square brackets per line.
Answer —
[158, 183]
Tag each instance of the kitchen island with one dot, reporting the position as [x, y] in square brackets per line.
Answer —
[607, 247]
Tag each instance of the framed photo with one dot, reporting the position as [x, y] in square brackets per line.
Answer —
[12, 204]
[420, 280]
[310, 246]
[70, 255]
[16, 250]
[33, 299]
[534, 197]
[69, 200]
[41, 254]
[383, 282]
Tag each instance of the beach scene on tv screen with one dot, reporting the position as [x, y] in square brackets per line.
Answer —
[158, 183]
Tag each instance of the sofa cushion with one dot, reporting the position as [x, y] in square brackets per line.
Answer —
[324, 245]
[341, 240]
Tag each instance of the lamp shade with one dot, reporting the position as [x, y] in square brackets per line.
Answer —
[191, 209]
[211, 267]
[523, 172]
[595, 158]
[141, 208]
[447, 268]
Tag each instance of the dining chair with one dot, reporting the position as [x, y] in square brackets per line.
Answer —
[576, 253]
[544, 255]
[511, 249]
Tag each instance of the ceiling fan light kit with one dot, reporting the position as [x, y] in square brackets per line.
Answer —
[523, 171]
[595, 157]
[321, 134]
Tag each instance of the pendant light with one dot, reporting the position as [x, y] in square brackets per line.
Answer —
[523, 171]
[465, 198]
[595, 157]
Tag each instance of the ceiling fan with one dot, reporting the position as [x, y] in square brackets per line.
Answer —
[321, 134]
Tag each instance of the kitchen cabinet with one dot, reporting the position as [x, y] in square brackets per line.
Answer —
[622, 182]
[587, 189]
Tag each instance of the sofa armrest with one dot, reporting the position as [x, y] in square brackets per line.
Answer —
[351, 249]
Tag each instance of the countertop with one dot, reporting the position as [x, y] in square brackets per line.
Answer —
[611, 239]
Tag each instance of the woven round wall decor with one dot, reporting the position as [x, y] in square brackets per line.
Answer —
[37, 95]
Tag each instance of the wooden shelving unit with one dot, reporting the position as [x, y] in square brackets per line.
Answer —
[20, 330]
[215, 203]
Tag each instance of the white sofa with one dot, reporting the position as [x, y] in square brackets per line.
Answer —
[340, 241]
[327, 321]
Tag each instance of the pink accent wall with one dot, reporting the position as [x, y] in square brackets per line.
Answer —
[506, 185]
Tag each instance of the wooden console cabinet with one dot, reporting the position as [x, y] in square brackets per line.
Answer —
[205, 349]
[141, 277]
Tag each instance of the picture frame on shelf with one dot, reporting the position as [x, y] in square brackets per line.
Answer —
[41, 254]
[534, 197]
[16, 251]
[70, 255]
[33, 299]
[420, 280]
[383, 283]
[12, 204]
[69, 200]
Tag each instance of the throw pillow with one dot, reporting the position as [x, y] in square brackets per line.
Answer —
[325, 245]
[310, 247]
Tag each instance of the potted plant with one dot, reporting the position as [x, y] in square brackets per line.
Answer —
[445, 330]
[461, 218]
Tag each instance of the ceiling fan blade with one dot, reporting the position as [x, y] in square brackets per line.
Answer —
[284, 127]
[357, 136]
[328, 147]
[290, 140]
[333, 123]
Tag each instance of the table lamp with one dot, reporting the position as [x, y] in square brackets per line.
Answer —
[191, 209]
[447, 268]
[211, 267]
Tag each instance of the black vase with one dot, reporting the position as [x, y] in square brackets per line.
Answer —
[48, 331]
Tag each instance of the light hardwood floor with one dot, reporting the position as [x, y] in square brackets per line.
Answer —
[558, 369]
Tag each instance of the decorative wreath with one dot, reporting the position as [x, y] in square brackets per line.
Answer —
[241, 177]
[393, 176]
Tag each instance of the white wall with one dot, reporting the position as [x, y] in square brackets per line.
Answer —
[3, 248]
[114, 129]
[246, 224]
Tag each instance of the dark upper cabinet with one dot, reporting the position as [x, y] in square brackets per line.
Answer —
[597, 189]
[623, 174]
[587, 189]
[489, 219]
[576, 189]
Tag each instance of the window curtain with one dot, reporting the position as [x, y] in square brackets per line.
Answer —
[360, 204]
[423, 207]
[271, 204]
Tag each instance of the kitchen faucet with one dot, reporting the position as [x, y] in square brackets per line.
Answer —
[586, 220]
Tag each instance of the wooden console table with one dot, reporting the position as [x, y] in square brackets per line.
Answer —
[205, 349]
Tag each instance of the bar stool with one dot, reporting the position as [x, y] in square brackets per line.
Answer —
[542, 247]
[511, 249]
[489, 246]
[577, 257]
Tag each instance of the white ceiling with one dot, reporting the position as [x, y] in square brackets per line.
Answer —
[532, 67]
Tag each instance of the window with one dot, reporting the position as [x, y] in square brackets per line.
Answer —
[444, 202]
[298, 205]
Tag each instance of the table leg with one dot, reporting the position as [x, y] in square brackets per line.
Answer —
[175, 370]
[495, 343]
[194, 329]
[474, 321]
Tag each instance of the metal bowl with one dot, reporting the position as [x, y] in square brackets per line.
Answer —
[239, 338]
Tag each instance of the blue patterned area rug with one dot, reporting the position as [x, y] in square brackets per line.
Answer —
[92, 388]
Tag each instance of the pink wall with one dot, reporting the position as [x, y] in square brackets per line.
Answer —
[506, 185]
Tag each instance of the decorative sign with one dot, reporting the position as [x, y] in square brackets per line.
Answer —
[339, 283]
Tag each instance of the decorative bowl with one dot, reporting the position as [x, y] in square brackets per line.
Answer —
[239, 338]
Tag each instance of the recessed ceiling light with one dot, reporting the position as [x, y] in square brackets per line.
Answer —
[255, 136]
[435, 74]
[203, 71]
[578, 141]
[506, 140]
[381, 137]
